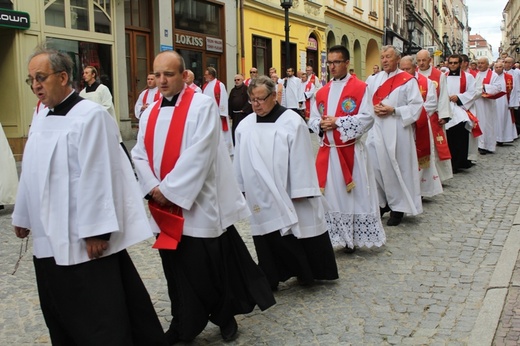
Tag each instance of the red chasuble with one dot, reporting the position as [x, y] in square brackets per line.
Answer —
[308, 87]
[348, 105]
[169, 220]
[422, 132]
[509, 87]
[216, 92]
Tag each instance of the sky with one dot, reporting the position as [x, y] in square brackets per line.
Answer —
[484, 18]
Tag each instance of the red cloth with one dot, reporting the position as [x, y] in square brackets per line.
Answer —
[422, 131]
[390, 85]
[170, 221]
[350, 101]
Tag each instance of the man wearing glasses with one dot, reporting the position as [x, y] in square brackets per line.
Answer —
[461, 91]
[274, 166]
[239, 105]
[78, 198]
[391, 144]
[341, 115]
[253, 73]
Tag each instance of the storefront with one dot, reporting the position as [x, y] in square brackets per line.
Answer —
[200, 37]
[84, 29]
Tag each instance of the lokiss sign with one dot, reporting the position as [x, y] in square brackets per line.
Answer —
[14, 19]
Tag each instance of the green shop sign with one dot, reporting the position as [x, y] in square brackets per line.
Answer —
[14, 19]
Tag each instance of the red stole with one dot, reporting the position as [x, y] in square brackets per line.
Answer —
[165, 218]
[476, 131]
[145, 96]
[439, 136]
[247, 81]
[509, 87]
[308, 87]
[473, 72]
[216, 93]
[422, 132]
[390, 85]
[348, 105]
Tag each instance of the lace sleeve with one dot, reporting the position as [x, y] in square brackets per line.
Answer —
[349, 127]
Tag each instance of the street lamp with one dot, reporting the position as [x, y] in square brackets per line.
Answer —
[445, 40]
[410, 24]
[286, 5]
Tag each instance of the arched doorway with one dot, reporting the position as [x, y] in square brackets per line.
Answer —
[344, 42]
[372, 56]
[331, 40]
[313, 58]
[357, 60]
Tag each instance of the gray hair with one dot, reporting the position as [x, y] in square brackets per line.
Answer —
[396, 50]
[409, 59]
[259, 81]
[59, 61]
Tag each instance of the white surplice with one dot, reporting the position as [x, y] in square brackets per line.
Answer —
[443, 109]
[353, 217]
[103, 97]
[429, 177]
[486, 110]
[201, 182]
[391, 147]
[9, 175]
[459, 113]
[275, 168]
[505, 128]
[209, 90]
[292, 95]
[77, 182]
[141, 101]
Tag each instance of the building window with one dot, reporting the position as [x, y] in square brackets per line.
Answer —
[261, 58]
[136, 13]
[79, 15]
[198, 16]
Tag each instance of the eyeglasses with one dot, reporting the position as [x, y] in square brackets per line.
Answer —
[238, 80]
[259, 100]
[253, 71]
[453, 62]
[335, 62]
[40, 78]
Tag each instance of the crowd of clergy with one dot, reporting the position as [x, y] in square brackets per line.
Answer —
[384, 145]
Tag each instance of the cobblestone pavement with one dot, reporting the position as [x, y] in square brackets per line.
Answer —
[425, 287]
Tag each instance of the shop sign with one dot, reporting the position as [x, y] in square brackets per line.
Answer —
[189, 40]
[312, 44]
[14, 19]
[398, 43]
[214, 44]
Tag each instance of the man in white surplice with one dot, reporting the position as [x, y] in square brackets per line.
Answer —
[186, 125]
[147, 96]
[461, 91]
[79, 199]
[353, 219]
[443, 109]
[428, 175]
[391, 145]
[274, 167]
[486, 84]
[515, 72]
[215, 89]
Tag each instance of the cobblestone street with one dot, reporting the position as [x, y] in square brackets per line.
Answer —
[427, 286]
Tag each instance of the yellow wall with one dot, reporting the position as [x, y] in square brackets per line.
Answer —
[272, 25]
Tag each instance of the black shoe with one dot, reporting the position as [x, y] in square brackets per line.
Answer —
[229, 330]
[482, 151]
[395, 218]
[500, 144]
[172, 337]
[1, 206]
[349, 250]
[382, 211]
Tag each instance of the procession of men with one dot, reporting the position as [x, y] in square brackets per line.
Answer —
[384, 146]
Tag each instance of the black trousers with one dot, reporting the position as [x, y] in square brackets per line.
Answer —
[100, 302]
[458, 142]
